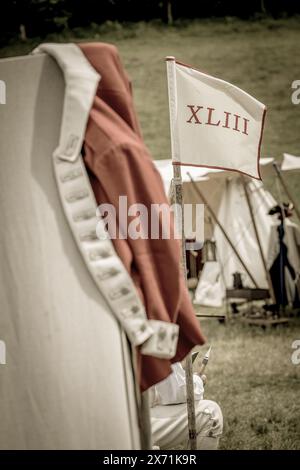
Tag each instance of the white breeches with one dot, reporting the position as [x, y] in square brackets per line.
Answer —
[170, 425]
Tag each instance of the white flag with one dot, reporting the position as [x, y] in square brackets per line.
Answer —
[215, 124]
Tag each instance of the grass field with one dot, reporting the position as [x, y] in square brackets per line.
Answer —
[250, 374]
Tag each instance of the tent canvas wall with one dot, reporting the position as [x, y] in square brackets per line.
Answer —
[234, 214]
[67, 382]
[225, 194]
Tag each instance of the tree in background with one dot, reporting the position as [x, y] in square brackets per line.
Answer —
[167, 16]
[33, 18]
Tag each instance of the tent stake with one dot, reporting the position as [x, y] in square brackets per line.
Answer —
[268, 277]
[286, 189]
[199, 192]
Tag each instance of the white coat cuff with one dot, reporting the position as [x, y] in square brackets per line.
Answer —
[163, 342]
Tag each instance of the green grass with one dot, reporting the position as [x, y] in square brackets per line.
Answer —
[252, 377]
[250, 373]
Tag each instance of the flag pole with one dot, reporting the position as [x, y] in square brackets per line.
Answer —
[285, 188]
[177, 186]
[268, 276]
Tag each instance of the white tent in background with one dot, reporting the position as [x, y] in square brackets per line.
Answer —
[290, 162]
[234, 215]
[225, 194]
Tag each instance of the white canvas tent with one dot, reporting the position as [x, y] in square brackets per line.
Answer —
[290, 162]
[225, 194]
[68, 381]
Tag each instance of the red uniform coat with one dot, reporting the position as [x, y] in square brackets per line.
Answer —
[119, 164]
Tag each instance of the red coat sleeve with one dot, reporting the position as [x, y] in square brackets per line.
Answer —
[154, 264]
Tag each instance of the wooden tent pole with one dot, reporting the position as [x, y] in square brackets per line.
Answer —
[177, 185]
[142, 402]
[286, 189]
[145, 424]
[199, 192]
[190, 399]
[268, 277]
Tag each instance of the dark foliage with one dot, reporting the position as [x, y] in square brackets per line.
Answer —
[41, 17]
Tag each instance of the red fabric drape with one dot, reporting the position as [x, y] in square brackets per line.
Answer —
[118, 164]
